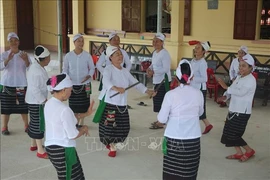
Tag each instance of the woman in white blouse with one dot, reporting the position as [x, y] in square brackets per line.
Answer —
[61, 132]
[115, 124]
[199, 80]
[79, 65]
[13, 63]
[36, 96]
[241, 93]
[160, 70]
[180, 110]
[234, 68]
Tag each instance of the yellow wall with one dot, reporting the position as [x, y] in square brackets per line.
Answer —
[104, 14]
[45, 19]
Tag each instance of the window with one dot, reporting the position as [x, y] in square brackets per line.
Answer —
[265, 20]
[245, 19]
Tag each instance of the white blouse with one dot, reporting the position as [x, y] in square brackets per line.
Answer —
[14, 73]
[78, 67]
[241, 93]
[180, 110]
[60, 124]
[37, 78]
[200, 74]
[120, 78]
[161, 64]
[234, 68]
[104, 61]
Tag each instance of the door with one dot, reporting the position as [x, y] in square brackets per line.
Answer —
[131, 15]
[66, 23]
[25, 25]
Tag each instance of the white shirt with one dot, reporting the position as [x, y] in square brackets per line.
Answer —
[78, 67]
[181, 109]
[200, 74]
[241, 93]
[161, 64]
[234, 68]
[14, 73]
[37, 78]
[120, 78]
[104, 61]
[60, 124]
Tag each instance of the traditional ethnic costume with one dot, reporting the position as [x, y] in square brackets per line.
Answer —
[234, 68]
[60, 133]
[180, 110]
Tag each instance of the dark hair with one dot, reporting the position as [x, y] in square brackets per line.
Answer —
[59, 78]
[185, 69]
[38, 51]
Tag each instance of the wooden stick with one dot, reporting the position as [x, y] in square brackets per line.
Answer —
[126, 88]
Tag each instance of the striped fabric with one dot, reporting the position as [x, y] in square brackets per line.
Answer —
[34, 124]
[182, 159]
[234, 129]
[158, 99]
[78, 101]
[114, 131]
[57, 157]
[203, 116]
[8, 101]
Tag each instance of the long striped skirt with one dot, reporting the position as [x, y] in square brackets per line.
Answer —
[13, 102]
[78, 101]
[114, 126]
[234, 129]
[158, 99]
[34, 124]
[182, 159]
[57, 157]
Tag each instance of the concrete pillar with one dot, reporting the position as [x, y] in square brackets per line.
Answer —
[78, 16]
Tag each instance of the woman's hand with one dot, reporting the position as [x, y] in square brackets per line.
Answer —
[88, 113]
[85, 130]
[222, 83]
[221, 99]
[149, 72]
[119, 89]
[86, 78]
[24, 57]
[151, 93]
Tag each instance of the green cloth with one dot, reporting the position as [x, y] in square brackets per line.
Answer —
[167, 84]
[100, 110]
[100, 85]
[41, 118]
[71, 159]
[1, 88]
[164, 146]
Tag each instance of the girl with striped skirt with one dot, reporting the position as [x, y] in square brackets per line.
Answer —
[161, 73]
[61, 131]
[13, 63]
[199, 80]
[180, 110]
[115, 124]
[241, 93]
[36, 96]
[79, 65]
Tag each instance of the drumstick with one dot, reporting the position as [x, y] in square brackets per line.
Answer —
[126, 89]
[156, 90]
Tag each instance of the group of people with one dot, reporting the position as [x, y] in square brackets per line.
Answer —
[179, 110]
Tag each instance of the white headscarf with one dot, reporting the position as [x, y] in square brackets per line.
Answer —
[65, 83]
[44, 54]
[12, 35]
[249, 59]
[206, 45]
[179, 73]
[112, 35]
[244, 48]
[110, 50]
[77, 36]
[160, 36]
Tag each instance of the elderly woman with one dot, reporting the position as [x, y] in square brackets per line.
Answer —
[36, 96]
[115, 125]
[61, 132]
[13, 63]
[241, 93]
[79, 65]
[199, 79]
[234, 68]
[160, 70]
[180, 110]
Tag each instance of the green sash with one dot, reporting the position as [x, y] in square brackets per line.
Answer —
[41, 118]
[164, 146]
[1, 88]
[71, 159]
[167, 84]
[100, 110]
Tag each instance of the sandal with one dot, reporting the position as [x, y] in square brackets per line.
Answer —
[141, 104]
[153, 123]
[5, 131]
[234, 156]
[246, 156]
[155, 126]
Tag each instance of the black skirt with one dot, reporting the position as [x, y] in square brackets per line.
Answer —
[182, 159]
[158, 99]
[78, 101]
[34, 124]
[114, 126]
[234, 129]
[57, 157]
[13, 102]
[203, 116]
